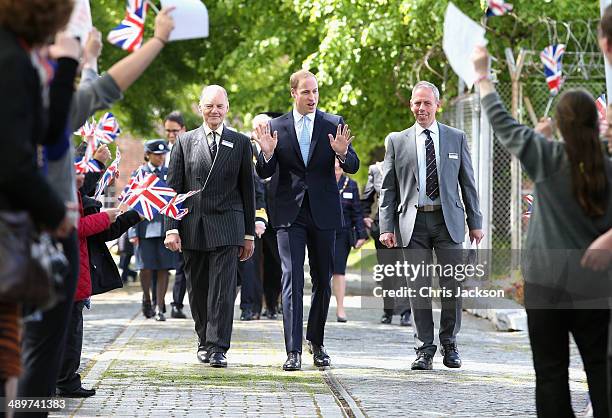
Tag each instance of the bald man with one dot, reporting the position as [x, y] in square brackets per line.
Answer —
[220, 227]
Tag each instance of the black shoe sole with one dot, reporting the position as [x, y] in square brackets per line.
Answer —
[421, 368]
[291, 369]
[218, 365]
[452, 366]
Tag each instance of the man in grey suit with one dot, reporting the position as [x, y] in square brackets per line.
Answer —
[421, 210]
[220, 226]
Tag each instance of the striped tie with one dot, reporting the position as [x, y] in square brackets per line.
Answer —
[304, 140]
[213, 145]
[431, 182]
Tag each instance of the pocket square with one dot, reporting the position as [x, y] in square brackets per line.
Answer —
[453, 155]
[227, 144]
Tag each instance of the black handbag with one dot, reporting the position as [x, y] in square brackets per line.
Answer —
[32, 266]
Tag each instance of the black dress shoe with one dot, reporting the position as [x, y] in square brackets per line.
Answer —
[177, 313]
[159, 315]
[78, 393]
[203, 356]
[451, 356]
[218, 360]
[247, 315]
[271, 314]
[386, 319]
[320, 356]
[341, 319]
[424, 361]
[405, 319]
[294, 362]
[147, 310]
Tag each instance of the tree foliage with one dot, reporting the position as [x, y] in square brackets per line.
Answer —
[366, 53]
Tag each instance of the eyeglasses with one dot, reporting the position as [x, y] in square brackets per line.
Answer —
[173, 131]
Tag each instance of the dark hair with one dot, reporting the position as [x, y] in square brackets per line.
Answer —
[175, 116]
[35, 21]
[578, 122]
[605, 24]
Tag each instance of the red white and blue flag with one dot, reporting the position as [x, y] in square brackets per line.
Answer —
[88, 129]
[107, 129]
[528, 199]
[601, 109]
[551, 58]
[150, 196]
[498, 8]
[174, 209]
[129, 33]
[108, 175]
[132, 184]
[87, 164]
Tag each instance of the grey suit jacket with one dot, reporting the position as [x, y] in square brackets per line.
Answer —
[400, 192]
[224, 212]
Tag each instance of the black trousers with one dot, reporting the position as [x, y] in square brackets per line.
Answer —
[386, 256]
[292, 242]
[211, 286]
[69, 380]
[272, 273]
[43, 341]
[430, 233]
[180, 284]
[549, 331]
[251, 290]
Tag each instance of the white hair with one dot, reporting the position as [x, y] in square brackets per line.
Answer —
[213, 87]
[428, 85]
[260, 119]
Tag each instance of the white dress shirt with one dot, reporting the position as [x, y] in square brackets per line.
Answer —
[422, 165]
[298, 123]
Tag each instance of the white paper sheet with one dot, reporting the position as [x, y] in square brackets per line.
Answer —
[461, 36]
[80, 21]
[190, 19]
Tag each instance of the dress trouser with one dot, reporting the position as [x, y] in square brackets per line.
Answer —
[43, 341]
[69, 380]
[429, 233]
[292, 242]
[211, 286]
[180, 283]
[385, 256]
[250, 284]
[272, 273]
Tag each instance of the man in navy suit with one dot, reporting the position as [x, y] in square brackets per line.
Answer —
[303, 145]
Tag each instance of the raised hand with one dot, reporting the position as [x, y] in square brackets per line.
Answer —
[266, 141]
[342, 140]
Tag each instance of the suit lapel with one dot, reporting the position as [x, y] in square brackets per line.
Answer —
[203, 152]
[223, 151]
[413, 160]
[442, 144]
[316, 130]
[289, 125]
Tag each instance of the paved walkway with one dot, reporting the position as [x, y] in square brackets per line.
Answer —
[140, 367]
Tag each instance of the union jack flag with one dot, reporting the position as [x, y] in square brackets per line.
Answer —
[150, 196]
[551, 58]
[601, 109]
[132, 184]
[107, 129]
[129, 33]
[88, 129]
[528, 199]
[174, 209]
[498, 8]
[108, 175]
[87, 164]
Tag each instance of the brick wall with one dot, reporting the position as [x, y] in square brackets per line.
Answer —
[132, 157]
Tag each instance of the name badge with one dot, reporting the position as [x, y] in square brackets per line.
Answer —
[227, 144]
[453, 155]
[347, 195]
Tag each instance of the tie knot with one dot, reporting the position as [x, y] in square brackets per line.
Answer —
[427, 132]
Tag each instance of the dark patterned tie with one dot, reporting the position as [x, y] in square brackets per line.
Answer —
[431, 182]
[213, 145]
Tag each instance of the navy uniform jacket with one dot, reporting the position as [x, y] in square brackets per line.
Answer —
[351, 206]
[155, 227]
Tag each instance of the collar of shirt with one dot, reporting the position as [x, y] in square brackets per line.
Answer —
[298, 120]
[152, 167]
[207, 132]
[433, 128]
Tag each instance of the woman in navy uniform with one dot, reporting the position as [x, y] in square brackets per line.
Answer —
[353, 234]
[152, 257]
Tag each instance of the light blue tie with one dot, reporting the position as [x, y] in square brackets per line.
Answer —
[304, 140]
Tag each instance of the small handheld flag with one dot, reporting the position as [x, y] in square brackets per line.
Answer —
[498, 8]
[129, 33]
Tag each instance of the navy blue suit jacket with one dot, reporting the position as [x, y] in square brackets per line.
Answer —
[317, 178]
